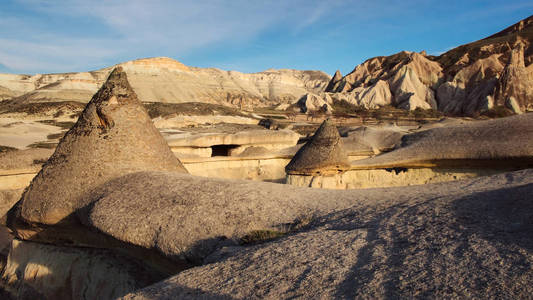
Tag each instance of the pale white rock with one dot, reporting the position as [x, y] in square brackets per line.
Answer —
[409, 92]
[163, 79]
[311, 102]
[513, 105]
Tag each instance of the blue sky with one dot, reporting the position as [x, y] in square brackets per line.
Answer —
[47, 36]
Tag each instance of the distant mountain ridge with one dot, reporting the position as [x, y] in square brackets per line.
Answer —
[493, 72]
[163, 79]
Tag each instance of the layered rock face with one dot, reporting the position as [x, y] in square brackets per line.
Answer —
[463, 81]
[166, 80]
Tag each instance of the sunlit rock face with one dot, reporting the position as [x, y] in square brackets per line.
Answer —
[449, 152]
[392, 242]
[43, 271]
[163, 79]
[467, 80]
[515, 86]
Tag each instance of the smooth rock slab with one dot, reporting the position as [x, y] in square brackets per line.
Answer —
[465, 239]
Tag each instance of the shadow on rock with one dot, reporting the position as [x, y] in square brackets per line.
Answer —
[503, 215]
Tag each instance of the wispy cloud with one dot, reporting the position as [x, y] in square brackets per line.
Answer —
[138, 27]
[75, 35]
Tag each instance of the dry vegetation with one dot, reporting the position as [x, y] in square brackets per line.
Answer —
[260, 236]
[158, 109]
[59, 108]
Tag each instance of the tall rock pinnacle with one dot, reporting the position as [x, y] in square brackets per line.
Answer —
[336, 78]
[515, 85]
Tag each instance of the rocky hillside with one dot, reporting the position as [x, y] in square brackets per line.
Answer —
[488, 74]
[166, 80]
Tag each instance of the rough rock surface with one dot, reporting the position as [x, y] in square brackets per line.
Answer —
[404, 79]
[113, 136]
[244, 137]
[471, 89]
[466, 80]
[7, 199]
[463, 239]
[40, 271]
[163, 79]
[191, 216]
[504, 141]
[205, 144]
[324, 153]
[336, 78]
[311, 102]
[515, 86]
[380, 140]
[29, 158]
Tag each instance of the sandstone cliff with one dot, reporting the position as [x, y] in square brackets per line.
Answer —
[163, 79]
[493, 72]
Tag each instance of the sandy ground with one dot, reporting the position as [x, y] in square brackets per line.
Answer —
[19, 133]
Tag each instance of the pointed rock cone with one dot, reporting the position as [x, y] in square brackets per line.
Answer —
[114, 136]
[336, 78]
[324, 154]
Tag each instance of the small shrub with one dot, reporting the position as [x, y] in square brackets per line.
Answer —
[345, 107]
[420, 113]
[53, 136]
[4, 149]
[498, 112]
[259, 236]
[39, 161]
[43, 145]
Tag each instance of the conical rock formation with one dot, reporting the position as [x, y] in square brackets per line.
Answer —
[113, 137]
[324, 154]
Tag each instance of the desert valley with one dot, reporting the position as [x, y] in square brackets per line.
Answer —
[409, 177]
